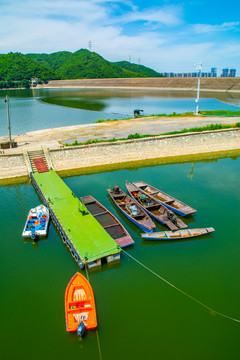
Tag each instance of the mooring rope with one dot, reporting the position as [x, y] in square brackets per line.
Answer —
[87, 273]
[99, 347]
[98, 341]
[213, 312]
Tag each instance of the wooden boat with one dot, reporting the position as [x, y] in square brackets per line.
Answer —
[131, 209]
[79, 304]
[169, 201]
[37, 223]
[108, 221]
[177, 235]
[155, 209]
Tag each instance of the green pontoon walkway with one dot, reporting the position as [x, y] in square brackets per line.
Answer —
[87, 236]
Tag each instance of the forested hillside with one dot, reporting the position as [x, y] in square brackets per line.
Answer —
[137, 70]
[16, 66]
[17, 69]
[89, 65]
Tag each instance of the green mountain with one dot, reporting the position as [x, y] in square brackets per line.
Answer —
[137, 70]
[86, 64]
[16, 69]
[16, 66]
[53, 61]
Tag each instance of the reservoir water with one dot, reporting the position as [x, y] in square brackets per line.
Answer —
[33, 109]
[139, 316]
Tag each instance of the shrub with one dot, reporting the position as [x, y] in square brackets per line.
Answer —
[134, 136]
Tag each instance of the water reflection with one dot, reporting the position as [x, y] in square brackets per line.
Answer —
[125, 101]
[35, 244]
[77, 103]
[190, 174]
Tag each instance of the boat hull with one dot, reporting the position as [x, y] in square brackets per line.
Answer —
[108, 221]
[157, 211]
[178, 206]
[37, 223]
[178, 235]
[79, 304]
[146, 224]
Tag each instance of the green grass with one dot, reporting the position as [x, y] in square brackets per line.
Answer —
[210, 127]
[107, 120]
[220, 113]
[174, 114]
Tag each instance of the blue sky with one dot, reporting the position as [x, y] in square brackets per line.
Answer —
[165, 35]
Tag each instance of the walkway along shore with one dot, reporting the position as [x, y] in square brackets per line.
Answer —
[125, 154]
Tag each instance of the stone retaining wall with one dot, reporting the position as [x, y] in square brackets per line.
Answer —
[12, 166]
[167, 149]
[104, 154]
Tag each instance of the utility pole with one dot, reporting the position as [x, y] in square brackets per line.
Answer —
[199, 69]
[8, 119]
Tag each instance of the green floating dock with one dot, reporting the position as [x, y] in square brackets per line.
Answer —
[83, 234]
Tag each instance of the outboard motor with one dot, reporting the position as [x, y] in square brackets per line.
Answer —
[81, 329]
[116, 190]
[33, 234]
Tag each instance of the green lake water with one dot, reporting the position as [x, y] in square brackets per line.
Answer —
[139, 316]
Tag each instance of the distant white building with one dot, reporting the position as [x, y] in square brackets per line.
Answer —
[34, 81]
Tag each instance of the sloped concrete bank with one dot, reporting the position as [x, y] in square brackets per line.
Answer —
[13, 166]
[157, 83]
[130, 151]
[104, 156]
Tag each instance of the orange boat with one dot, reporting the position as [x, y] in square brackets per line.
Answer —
[80, 308]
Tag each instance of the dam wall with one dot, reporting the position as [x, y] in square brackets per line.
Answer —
[218, 84]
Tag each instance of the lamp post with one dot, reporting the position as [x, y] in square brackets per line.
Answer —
[199, 69]
[8, 119]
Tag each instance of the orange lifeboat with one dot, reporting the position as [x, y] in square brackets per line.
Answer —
[79, 304]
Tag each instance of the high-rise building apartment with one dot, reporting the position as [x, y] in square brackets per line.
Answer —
[214, 72]
[232, 73]
[225, 72]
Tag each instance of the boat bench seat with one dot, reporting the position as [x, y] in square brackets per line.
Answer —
[169, 202]
[151, 207]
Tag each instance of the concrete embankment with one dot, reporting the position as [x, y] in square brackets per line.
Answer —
[131, 153]
[218, 84]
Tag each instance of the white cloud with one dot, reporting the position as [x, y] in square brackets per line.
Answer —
[207, 28]
[52, 25]
[115, 29]
[168, 15]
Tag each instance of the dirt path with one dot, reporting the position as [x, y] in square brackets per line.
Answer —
[50, 138]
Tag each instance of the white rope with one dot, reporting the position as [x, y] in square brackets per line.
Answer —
[98, 341]
[213, 312]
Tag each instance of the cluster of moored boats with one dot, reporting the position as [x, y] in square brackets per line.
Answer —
[142, 204]
[145, 202]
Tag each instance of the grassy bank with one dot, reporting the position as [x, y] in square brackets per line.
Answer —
[211, 127]
[174, 114]
[220, 113]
